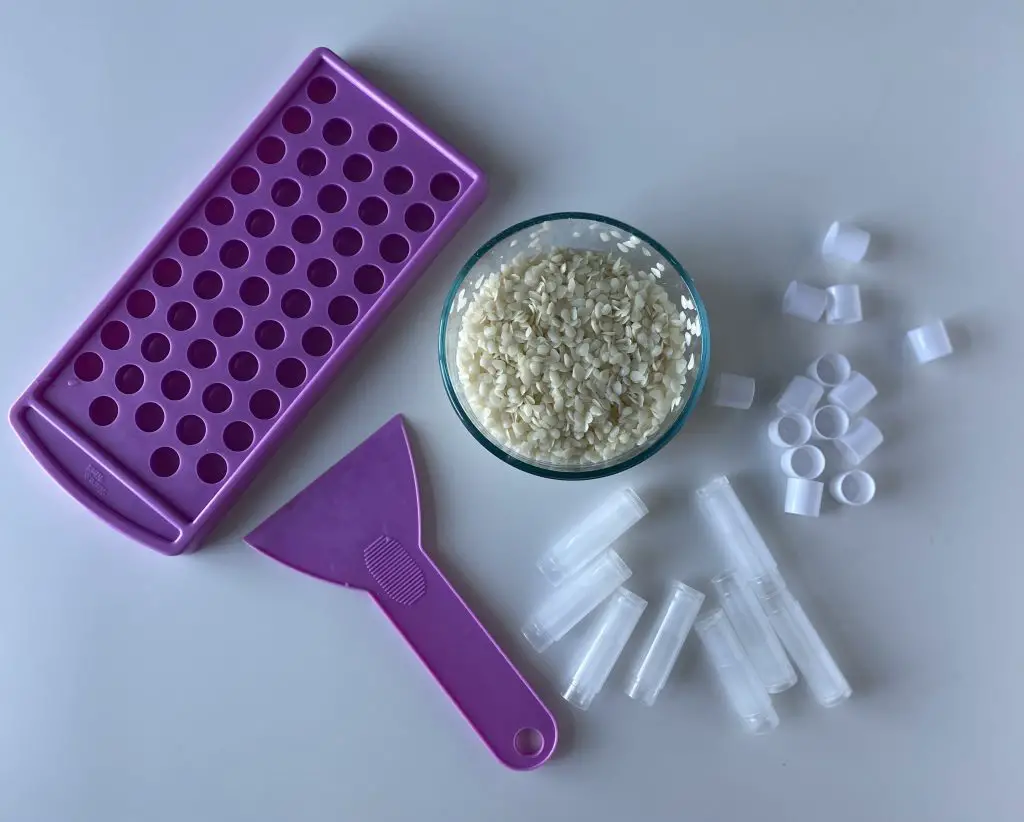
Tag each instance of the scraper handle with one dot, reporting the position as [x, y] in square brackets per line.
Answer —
[465, 660]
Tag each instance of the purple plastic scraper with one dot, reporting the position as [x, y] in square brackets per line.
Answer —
[162, 407]
[359, 525]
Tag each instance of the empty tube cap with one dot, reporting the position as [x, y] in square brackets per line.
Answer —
[853, 394]
[830, 422]
[830, 370]
[844, 305]
[804, 462]
[601, 647]
[789, 430]
[571, 602]
[804, 301]
[658, 656]
[854, 487]
[800, 397]
[734, 391]
[755, 632]
[803, 497]
[845, 242]
[930, 342]
[620, 512]
[743, 688]
[860, 441]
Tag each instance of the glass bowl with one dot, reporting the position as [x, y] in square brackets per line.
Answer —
[584, 231]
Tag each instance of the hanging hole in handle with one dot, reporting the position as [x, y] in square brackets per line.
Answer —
[528, 742]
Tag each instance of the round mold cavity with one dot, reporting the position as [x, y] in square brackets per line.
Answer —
[254, 291]
[343, 310]
[419, 217]
[337, 131]
[321, 90]
[217, 398]
[219, 211]
[317, 341]
[167, 272]
[140, 303]
[311, 162]
[259, 223]
[103, 410]
[234, 253]
[175, 385]
[321, 272]
[373, 211]
[286, 192]
[207, 285]
[238, 435]
[88, 366]
[296, 119]
[269, 335]
[382, 137]
[357, 167]
[264, 404]
[211, 468]
[398, 180]
[348, 241]
[245, 180]
[227, 322]
[164, 462]
[528, 742]
[129, 379]
[191, 429]
[445, 187]
[202, 353]
[193, 241]
[280, 260]
[243, 366]
[270, 150]
[115, 335]
[155, 347]
[149, 417]
[306, 229]
[331, 198]
[296, 303]
[291, 372]
[369, 279]
[394, 248]
[181, 316]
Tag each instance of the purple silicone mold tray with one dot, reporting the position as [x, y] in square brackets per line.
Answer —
[233, 321]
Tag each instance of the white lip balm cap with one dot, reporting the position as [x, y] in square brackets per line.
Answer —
[789, 430]
[845, 242]
[800, 397]
[830, 370]
[860, 441]
[803, 462]
[803, 497]
[854, 487]
[844, 305]
[734, 391]
[853, 394]
[804, 301]
[930, 342]
[830, 422]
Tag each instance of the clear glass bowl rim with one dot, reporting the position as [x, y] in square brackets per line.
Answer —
[601, 470]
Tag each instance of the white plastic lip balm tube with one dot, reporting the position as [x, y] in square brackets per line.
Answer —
[830, 370]
[930, 342]
[803, 462]
[853, 394]
[734, 391]
[661, 649]
[830, 422]
[800, 397]
[859, 442]
[744, 546]
[620, 512]
[803, 497]
[789, 430]
[845, 242]
[844, 305]
[602, 646]
[571, 602]
[743, 688]
[755, 632]
[854, 487]
[804, 301]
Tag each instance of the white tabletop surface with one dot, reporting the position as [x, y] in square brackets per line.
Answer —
[222, 686]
